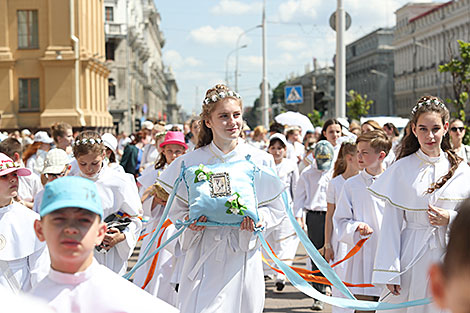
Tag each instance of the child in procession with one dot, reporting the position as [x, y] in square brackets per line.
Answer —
[422, 190]
[346, 166]
[71, 224]
[120, 199]
[359, 215]
[24, 260]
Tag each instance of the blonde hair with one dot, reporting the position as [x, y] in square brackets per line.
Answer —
[87, 145]
[60, 130]
[205, 134]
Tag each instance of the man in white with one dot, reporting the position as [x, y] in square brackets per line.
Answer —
[71, 224]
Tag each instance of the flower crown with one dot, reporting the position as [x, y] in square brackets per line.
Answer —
[221, 95]
[90, 141]
[8, 164]
[427, 103]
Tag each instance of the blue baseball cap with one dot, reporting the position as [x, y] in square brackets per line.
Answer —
[324, 153]
[71, 192]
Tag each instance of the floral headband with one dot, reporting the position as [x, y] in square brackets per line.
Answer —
[91, 141]
[221, 95]
[427, 103]
[8, 164]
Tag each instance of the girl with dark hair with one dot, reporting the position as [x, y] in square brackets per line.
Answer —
[132, 156]
[422, 189]
[457, 133]
[222, 269]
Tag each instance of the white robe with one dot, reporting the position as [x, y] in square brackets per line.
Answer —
[340, 249]
[97, 289]
[118, 192]
[161, 284]
[24, 260]
[409, 244]
[357, 205]
[22, 303]
[222, 271]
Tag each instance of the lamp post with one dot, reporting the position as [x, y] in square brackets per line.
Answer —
[438, 79]
[226, 61]
[236, 56]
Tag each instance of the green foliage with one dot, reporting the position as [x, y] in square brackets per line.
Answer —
[278, 93]
[315, 118]
[459, 68]
[358, 106]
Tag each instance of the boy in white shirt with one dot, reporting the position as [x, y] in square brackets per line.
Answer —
[71, 224]
[358, 214]
[310, 196]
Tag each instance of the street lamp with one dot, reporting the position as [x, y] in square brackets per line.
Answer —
[382, 74]
[226, 61]
[236, 59]
[419, 44]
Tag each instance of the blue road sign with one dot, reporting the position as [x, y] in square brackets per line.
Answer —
[293, 94]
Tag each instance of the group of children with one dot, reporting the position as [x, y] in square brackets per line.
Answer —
[90, 216]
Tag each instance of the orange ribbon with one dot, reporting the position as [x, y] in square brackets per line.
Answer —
[308, 275]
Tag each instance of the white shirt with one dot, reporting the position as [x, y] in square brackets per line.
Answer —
[310, 194]
[22, 303]
[29, 186]
[24, 260]
[357, 205]
[97, 289]
[149, 156]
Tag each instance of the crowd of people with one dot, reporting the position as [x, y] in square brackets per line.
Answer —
[378, 204]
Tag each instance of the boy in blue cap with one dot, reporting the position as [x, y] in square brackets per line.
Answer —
[71, 224]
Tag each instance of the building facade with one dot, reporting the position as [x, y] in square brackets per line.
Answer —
[52, 64]
[369, 70]
[134, 42]
[318, 91]
[426, 36]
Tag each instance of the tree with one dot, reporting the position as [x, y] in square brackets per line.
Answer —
[315, 118]
[459, 68]
[358, 106]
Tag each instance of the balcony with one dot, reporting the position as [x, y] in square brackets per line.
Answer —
[114, 30]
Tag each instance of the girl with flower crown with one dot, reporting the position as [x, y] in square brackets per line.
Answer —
[222, 270]
[119, 197]
[422, 190]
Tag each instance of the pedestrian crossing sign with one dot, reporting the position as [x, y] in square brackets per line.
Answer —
[293, 94]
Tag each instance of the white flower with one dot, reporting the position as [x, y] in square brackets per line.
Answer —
[201, 177]
[232, 198]
[214, 98]
[221, 94]
[92, 141]
[240, 201]
[205, 169]
[234, 211]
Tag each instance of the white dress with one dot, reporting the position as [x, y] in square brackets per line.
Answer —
[161, 284]
[24, 260]
[223, 271]
[118, 193]
[283, 238]
[340, 249]
[97, 289]
[409, 244]
[357, 205]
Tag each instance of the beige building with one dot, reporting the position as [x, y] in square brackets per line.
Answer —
[426, 35]
[52, 64]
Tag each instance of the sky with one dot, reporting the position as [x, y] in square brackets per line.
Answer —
[201, 36]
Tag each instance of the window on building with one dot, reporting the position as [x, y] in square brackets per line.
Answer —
[109, 14]
[111, 88]
[28, 89]
[110, 46]
[28, 29]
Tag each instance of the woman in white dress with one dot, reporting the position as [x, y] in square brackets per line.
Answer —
[222, 271]
[422, 189]
[119, 195]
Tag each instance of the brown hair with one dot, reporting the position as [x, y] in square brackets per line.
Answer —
[31, 150]
[59, 130]
[205, 133]
[458, 250]
[331, 121]
[393, 128]
[410, 143]
[347, 148]
[10, 146]
[377, 139]
[83, 148]
[373, 124]
[161, 161]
